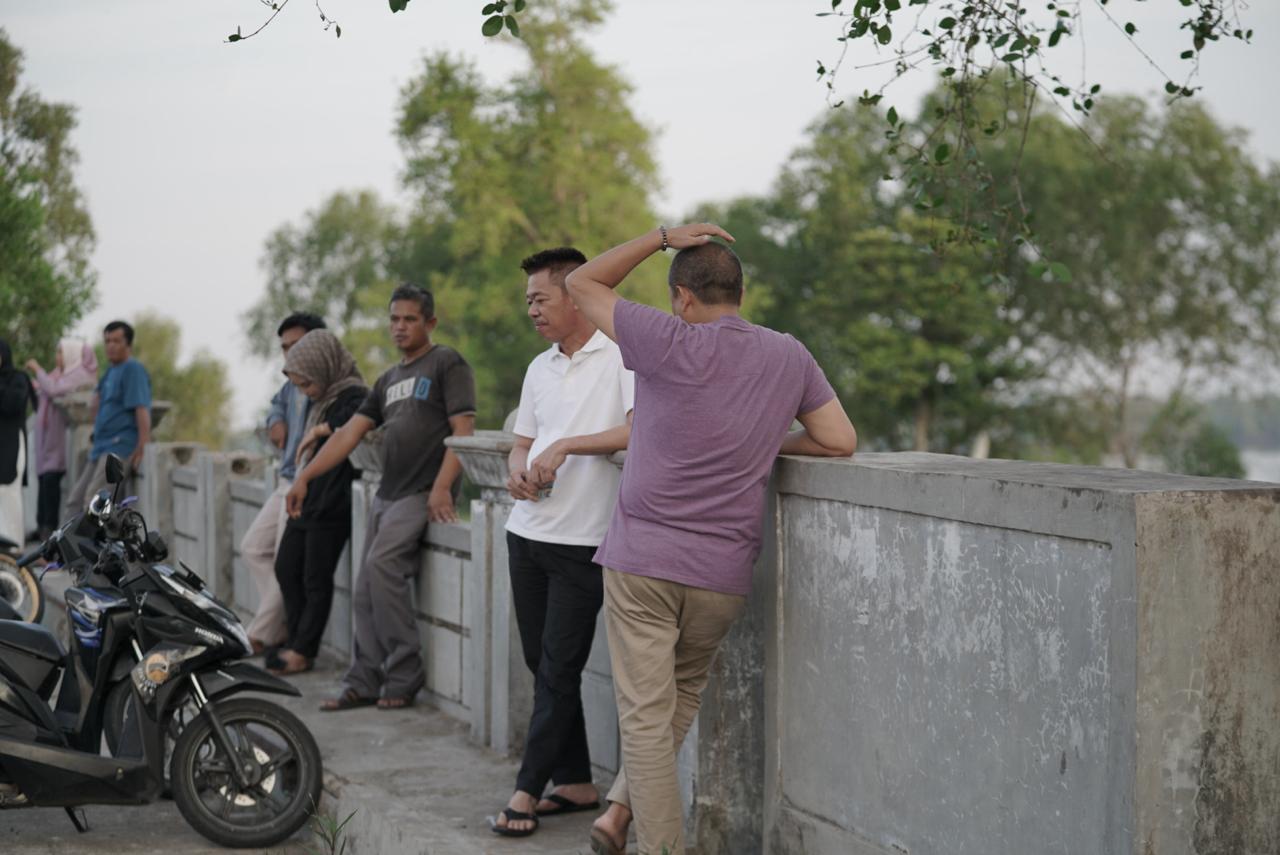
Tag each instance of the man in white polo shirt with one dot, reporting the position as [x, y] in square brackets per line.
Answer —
[575, 409]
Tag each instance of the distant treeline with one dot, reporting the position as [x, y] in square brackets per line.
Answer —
[1250, 422]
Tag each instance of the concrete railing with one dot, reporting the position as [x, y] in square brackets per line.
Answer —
[940, 655]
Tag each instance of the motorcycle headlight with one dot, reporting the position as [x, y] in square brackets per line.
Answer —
[237, 631]
[159, 665]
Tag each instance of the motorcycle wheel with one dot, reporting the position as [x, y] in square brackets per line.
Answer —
[285, 775]
[20, 589]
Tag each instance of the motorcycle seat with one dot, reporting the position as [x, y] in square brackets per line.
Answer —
[31, 638]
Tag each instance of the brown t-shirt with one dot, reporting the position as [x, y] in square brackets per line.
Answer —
[414, 402]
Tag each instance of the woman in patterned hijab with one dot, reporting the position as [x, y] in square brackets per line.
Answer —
[322, 369]
[312, 542]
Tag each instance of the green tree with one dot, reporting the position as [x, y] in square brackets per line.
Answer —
[199, 391]
[46, 237]
[340, 263]
[916, 342]
[1189, 443]
[495, 173]
[1167, 230]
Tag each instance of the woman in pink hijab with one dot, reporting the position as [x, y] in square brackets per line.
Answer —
[76, 371]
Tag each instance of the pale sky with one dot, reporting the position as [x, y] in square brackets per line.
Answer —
[193, 150]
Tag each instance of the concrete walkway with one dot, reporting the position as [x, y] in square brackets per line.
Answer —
[415, 783]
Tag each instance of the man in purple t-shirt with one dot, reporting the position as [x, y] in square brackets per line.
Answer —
[715, 397]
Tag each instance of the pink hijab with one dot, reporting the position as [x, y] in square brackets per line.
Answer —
[79, 371]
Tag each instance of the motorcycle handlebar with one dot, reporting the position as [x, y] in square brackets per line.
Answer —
[31, 556]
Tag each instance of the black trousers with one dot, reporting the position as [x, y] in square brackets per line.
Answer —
[49, 500]
[305, 563]
[557, 591]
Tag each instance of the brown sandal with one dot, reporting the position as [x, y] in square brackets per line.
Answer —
[603, 844]
[348, 700]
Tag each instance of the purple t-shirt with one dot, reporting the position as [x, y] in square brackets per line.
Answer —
[713, 405]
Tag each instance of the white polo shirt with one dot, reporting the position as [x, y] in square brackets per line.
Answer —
[564, 396]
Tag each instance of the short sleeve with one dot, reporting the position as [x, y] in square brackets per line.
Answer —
[372, 406]
[458, 384]
[817, 389]
[526, 417]
[279, 406]
[137, 387]
[627, 387]
[644, 334]
[345, 407]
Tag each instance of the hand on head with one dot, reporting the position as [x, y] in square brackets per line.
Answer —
[695, 234]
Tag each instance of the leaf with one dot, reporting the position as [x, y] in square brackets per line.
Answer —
[490, 9]
[1011, 57]
[398, 5]
[492, 26]
[1055, 36]
[520, 4]
[942, 152]
[1130, 29]
[885, 35]
[1171, 88]
[512, 25]
[1187, 54]
[892, 116]
[947, 23]
[338, 29]
[893, 5]
[1060, 271]
[234, 37]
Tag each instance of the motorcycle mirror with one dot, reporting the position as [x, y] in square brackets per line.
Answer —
[115, 469]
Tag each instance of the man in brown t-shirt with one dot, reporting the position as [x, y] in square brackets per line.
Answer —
[428, 396]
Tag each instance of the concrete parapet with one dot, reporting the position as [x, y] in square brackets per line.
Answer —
[994, 657]
[156, 490]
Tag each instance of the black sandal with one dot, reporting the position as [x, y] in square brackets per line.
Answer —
[564, 805]
[348, 700]
[513, 815]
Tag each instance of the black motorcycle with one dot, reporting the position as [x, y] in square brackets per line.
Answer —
[244, 772]
[21, 597]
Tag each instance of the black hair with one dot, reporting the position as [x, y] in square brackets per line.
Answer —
[120, 325]
[304, 320]
[419, 295]
[558, 261]
[711, 271]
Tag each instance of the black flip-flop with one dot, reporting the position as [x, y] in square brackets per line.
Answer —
[564, 805]
[513, 815]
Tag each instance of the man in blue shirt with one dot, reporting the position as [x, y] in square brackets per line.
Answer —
[122, 416]
[286, 423]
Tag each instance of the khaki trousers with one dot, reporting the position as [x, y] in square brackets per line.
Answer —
[663, 637]
[258, 549]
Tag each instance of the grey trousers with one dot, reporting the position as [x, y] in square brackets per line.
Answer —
[93, 477]
[386, 659]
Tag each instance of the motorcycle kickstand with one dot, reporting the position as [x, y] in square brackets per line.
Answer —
[78, 819]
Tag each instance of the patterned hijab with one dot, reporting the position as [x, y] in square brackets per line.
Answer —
[320, 357]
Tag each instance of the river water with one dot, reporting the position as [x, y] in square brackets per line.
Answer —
[1261, 465]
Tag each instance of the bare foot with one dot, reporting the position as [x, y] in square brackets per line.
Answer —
[579, 794]
[521, 802]
[614, 822]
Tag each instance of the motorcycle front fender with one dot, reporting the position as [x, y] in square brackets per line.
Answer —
[232, 679]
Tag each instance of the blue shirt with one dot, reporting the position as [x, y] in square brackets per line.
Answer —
[290, 406]
[123, 389]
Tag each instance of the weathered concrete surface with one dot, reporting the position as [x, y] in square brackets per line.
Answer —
[996, 657]
[1208, 697]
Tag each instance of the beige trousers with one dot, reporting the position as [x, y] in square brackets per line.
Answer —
[258, 549]
[663, 637]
